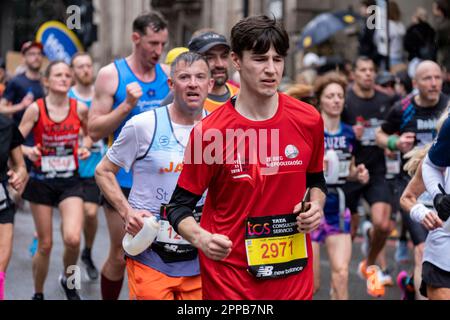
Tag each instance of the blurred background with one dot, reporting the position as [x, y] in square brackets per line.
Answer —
[106, 25]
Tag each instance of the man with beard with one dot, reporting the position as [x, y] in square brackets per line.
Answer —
[27, 87]
[83, 91]
[123, 89]
[412, 123]
[216, 49]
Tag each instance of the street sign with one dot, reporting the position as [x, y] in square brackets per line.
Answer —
[60, 43]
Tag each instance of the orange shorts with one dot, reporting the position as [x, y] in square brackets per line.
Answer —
[145, 283]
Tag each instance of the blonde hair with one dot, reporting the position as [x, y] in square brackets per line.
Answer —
[299, 91]
[417, 154]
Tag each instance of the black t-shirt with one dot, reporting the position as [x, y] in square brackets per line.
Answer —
[407, 116]
[10, 138]
[371, 113]
[18, 88]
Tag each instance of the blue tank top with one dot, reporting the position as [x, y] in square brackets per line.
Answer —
[87, 167]
[153, 94]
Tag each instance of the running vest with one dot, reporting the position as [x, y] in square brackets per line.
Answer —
[211, 105]
[73, 94]
[343, 143]
[153, 94]
[161, 166]
[87, 167]
[58, 143]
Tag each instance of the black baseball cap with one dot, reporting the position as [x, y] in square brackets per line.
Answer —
[384, 78]
[206, 41]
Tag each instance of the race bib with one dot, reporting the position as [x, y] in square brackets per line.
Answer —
[167, 235]
[393, 165]
[169, 245]
[368, 137]
[344, 169]
[58, 163]
[274, 247]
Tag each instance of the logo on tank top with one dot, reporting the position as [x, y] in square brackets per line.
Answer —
[172, 168]
[53, 128]
[151, 93]
[291, 152]
[164, 141]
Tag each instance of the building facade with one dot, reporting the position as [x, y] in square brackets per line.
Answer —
[114, 20]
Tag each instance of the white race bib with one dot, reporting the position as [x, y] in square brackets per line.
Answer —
[168, 235]
[58, 164]
[393, 165]
[344, 168]
[368, 137]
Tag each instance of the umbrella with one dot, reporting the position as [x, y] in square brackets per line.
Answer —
[324, 26]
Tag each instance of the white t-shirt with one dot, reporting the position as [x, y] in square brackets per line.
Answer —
[155, 161]
[396, 33]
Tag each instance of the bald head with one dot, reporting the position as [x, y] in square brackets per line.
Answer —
[425, 67]
[428, 80]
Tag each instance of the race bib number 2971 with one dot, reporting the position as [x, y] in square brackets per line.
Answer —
[274, 247]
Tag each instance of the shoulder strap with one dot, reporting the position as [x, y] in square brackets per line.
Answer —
[42, 109]
[153, 138]
[73, 105]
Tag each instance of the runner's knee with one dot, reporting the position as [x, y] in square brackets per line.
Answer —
[90, 213]
[45, 247]
[72, 242]
[340, 275]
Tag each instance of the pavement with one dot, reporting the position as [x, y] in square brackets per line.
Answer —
[19, 282]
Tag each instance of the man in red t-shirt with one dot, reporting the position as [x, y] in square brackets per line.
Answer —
[256, 156]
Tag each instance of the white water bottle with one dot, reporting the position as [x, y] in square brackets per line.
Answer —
[332, 172]
[136, 245]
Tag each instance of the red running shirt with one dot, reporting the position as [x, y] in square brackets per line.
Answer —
[58, 143]
[242, 191]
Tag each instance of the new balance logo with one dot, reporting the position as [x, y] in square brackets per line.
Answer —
[265, 271]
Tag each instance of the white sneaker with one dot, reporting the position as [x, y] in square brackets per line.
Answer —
[386, 278]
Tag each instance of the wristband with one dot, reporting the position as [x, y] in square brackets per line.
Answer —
[392, 142]
[418, 212]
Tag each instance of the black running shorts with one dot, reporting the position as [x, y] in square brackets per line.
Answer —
[377, 190]
[417, 231]
[396, 188]
[7, 207]
[91, 192]
[52, 192]
[7, 216]
[125, 191]
[434, 277]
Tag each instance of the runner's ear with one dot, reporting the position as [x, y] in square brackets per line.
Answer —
[136, 38]
[236, 61]
[170, 83]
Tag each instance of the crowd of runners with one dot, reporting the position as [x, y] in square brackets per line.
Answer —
[246, 182]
